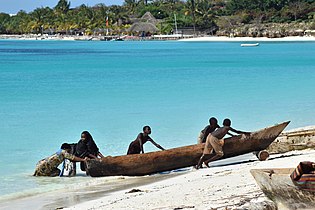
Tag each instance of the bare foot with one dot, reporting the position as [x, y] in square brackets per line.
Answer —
[197, 167]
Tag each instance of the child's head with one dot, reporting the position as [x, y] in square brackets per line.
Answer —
[227, 122]
[213, 121]
[146, 129]
[86, 136]
[66, 146]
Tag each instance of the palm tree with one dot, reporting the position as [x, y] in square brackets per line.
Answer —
[131, 6]
[205, 14]
[193, 8]
[4, 19]
[40, 18]
[18, 24]
[101, 14]
[61, 10]
[62, 6]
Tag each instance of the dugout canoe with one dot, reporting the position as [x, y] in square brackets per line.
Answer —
[278, 186]
[181, 157]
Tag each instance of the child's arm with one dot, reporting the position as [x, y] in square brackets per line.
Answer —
[239, 132]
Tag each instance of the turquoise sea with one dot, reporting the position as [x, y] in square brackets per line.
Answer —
[51, 91]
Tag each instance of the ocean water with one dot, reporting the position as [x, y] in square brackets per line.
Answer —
[51, 91]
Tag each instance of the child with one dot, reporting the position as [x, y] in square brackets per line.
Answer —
[215, 142]
[213, 124]
[48, 166]
[136, 146]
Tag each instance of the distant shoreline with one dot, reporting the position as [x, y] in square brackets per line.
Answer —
[170, 37]
[251, 39]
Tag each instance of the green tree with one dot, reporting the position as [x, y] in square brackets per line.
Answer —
[101, 13]
[192, 9]
[85, 18]
[62, 18]
[41, 18]
[298, 8]
[62, 6]
[228, 23]
[4, 20]
[19, 23]
[131, 6]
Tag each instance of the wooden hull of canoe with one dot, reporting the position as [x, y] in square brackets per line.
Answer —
[153, 162]
[277, 185]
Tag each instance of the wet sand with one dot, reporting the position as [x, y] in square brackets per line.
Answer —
[69, 197]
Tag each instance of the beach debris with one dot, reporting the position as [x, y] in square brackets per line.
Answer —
[262, 155]
[184, 207]
[134, 191]
[121, 177]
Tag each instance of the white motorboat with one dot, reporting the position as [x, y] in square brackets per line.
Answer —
[249, 44]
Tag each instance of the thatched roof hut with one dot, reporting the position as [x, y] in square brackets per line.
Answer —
[147, 23]
[148, 17]
[143, 27]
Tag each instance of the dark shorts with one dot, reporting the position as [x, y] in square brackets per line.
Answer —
[133, 149]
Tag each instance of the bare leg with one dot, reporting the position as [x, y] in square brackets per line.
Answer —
[212, 159]
[202, 159]
[200, 162]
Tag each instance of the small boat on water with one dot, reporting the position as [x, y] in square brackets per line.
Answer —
[83, 38]
[181, 157]
[249, 44]
[278, 186]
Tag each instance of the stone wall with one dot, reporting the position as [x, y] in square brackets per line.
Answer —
[271, 30]
[297, 139]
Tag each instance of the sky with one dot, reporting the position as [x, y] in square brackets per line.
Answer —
[14, 6]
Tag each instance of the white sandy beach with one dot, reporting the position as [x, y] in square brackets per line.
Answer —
[250, 39]
[222, 186]
[196, 39]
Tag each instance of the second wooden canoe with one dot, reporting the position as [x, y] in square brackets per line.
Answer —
[278, 186]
